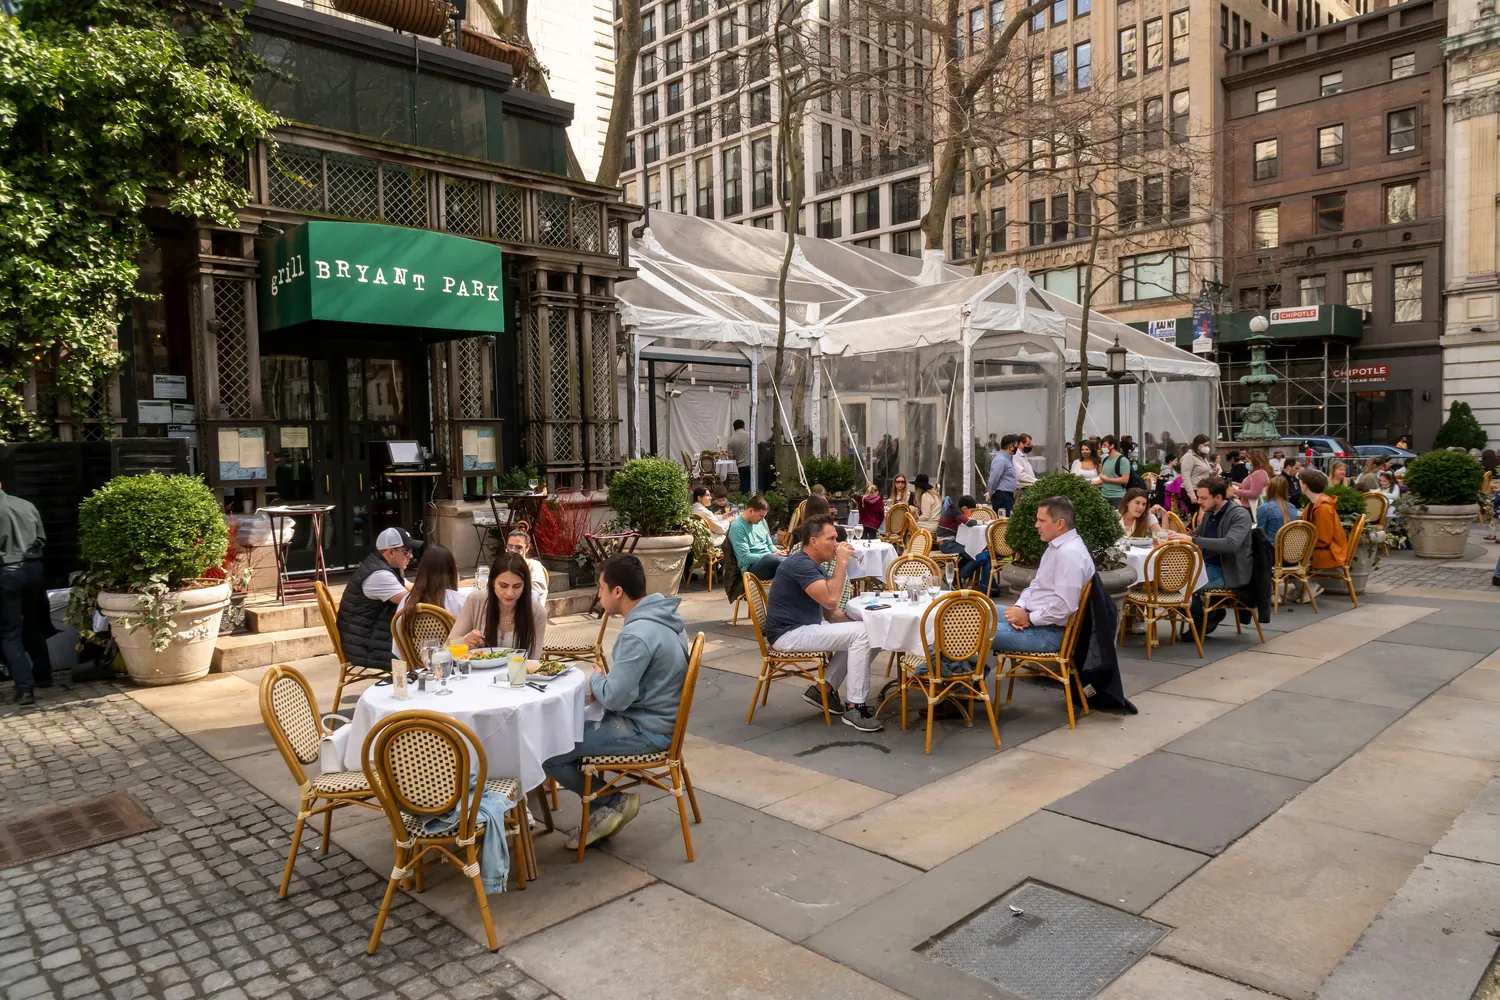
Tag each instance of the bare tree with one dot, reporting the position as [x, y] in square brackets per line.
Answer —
[617, 133]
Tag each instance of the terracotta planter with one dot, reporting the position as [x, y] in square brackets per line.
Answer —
[1441, 532]
[663, 558]
[497, 49]
[427, 18]
[195, 631]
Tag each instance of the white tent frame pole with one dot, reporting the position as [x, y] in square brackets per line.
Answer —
[754, 353]
[967, 420]
[635, 394]
[943, 434]
[815, 418]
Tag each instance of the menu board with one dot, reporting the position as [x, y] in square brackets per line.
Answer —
[479, 449]
[242, 454]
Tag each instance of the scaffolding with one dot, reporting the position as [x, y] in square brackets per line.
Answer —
[1308, 399]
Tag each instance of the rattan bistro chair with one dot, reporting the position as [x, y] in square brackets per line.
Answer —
[1224, 599]
[1351, 549]
[420, 764]
[348, 672]
[963, 624]
[1058, 666]
[1174, 523]
[909, 567]
[578, 642]
[994, 534]
[291, 714]
[1166, 594]
[655, 769]
[774, 664]
[414, 626]
[713, 557]
[899, 523]
[984, 513]
[920, 543]
[1295, 542]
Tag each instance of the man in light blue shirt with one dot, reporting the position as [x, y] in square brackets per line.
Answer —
[754, 551]
[1002, 481]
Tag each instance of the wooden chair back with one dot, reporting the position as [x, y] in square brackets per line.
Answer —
[898, 521]
[910, 567]
[962, 627]
[687, 465]
[984, 513]
[1295, 543]
[1351, 546]
[920, 543]
[419, 763]
[1150, 480]
[1174, 523]
[329, 609]
[290, 712]
[601, 547]
[1171, 571]
[414, 625]
[1376, 505]
[685, 702]
[755, 597]
[994, 535]
[1075, 621]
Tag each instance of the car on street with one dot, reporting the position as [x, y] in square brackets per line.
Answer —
[1384, 451]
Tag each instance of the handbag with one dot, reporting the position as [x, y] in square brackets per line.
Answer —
[331, 746]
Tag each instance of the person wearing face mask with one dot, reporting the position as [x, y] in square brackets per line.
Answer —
[1002, 479]
[1114, 471]
[1025, 474]
[1194, 465]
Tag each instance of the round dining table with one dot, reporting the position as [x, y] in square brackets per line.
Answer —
[897, 627]
[871, 558]
[519, 728]
[1136, 557]
[974, 538]
[726, 470]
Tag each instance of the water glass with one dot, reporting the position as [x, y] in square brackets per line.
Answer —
[516, 667]
[442, 665]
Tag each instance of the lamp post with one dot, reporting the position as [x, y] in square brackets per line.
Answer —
[1115, 369]
[1258, 422]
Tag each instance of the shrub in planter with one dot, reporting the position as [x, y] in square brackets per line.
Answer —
[1461, 429]
[1097, 523]
[650, 495]
[1442, 503]
[836, 475]
[1444, 478]
[1351, 504]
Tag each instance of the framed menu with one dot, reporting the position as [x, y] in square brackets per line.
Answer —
[240, 456]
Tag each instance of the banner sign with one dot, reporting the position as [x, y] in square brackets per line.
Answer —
[1361, 373]
[1294, 314]
[1163, 329]
[1203, 328]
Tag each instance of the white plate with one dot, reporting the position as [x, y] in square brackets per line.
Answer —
[494, 664]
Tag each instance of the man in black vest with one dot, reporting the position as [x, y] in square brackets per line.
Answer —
[371, 598]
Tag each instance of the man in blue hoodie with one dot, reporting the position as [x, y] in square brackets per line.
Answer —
[639, 694]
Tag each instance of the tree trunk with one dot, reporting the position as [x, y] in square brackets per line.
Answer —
[518, 15]
[613, 160]
[789, 132]
[1083, 339]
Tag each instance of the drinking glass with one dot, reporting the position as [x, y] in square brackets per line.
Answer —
[443, 666]
[948, 574]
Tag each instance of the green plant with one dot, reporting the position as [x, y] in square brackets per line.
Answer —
[1461, 429]
[1351, 504]
[108, 110]
[1444, 477]
[519, 479]
[1097, 523]
[147, 535]
[650, 495]
[837, 475]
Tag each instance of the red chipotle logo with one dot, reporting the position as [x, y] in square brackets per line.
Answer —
[1361, 373]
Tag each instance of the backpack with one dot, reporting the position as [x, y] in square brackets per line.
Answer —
[1135, 482]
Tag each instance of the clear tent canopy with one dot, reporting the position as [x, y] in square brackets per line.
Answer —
[899, 370]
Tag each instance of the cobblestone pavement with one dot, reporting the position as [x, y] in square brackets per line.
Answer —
[1409, 571]
[190, 909]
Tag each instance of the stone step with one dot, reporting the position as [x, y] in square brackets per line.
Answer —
[241, 652]
[278, 618]
[570, 602]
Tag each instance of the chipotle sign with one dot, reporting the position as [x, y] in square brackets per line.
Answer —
[1361, 373]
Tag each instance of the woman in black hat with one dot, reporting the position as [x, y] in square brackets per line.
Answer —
[926, 501]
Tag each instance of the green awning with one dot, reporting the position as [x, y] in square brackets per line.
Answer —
[358, 272]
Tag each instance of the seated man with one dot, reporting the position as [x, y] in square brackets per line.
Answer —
[717, 524]
[640, 694]
[1036, 622]
[1224, 537]
[754, 551]
[948, 524]
[371, 598]
[1332, 545]
[802, 614]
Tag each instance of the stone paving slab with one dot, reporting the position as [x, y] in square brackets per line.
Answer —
[723, 697]
[1200, 805]
[821, 807]
[1295, 735]
[1434, 939]
[1460, 726]
[1115, 740]
[789, 880]
[1139, 675]
[1390, 674]
[1475, 833]
[1155, 978]
[1482, 683]
[1478, 640]
[750, 779]
[1240, 678]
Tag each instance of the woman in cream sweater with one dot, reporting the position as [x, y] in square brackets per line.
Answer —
[508, 614]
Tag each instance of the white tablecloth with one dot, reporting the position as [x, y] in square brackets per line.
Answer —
[871, 559]
[519, 728]
[897, 627]
[973, 539]
[725, 468]
[1136, 556]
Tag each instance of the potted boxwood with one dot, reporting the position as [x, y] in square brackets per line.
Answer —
[1095, 520]
[650, 495]
[1350, 504]
[1443, 502]
[148, 542]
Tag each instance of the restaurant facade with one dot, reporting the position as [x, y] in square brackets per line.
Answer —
[413, 265]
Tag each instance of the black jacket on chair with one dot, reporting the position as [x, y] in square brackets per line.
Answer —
[1257, 593]
[1094, 655]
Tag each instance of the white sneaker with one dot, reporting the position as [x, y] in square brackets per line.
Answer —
[603, 822]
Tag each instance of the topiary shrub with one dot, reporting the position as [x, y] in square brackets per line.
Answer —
[650, 495]
[1461, 429]
[1444, 478]
[1097, 523]
[836, 475]
[1351, 503]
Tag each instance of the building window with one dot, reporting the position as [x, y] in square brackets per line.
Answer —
[698, 9]
[1406, 290]
[1330, 146]
[1310, 289]
[1234, 31]
[1127, 206]
[648, 66]
[760, 172]
[959, 232]
[1038, 21]
[1060, 73]
[1179, 36]
[906, 201]
[702, 91]
[1330, 84]
[760, 106]
[1265, 227]
[1181, 193]
[758, 17]
[873, 243]
[700, 44]
[976, 28]
[907, 242]
[648, 27]
[1083, 65]
[1128, 131]
[674, 97]
[704, 175]
[675, 142]
[677, 179]
[672, 16]
[1155, 108]
[1059, 218]
[629, 153]
[1180, 110]
[729, 117]
[653, 190]
[1265, 100]
[733, 186]
[1401, 203]
[1359, 290]
[728, 33]
[1036, 230]
[1127, 53]
[703, 129]
[1081, 8]
[1329, 208]
[999, 239]
[674, 58]
[1224, 25]
[1038, 79]
[763, 222]
[1403, 66]
[653, 146]
[1401, 131]
[1151, 200]
[650, 109]
[1267, 161]
[830, 224]
[866, 211]
[1153, 44]
[1153, 275]
[1059, 11]
[997, 18]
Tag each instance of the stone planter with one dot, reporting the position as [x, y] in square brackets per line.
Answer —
[195, 631]
[663, 558]
[1015, 578]
[1440, 531]
[1359, 571]
[1117, 581]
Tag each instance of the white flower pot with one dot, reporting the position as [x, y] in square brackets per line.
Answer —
[1441, 532]
[663, 558]
[195, 631]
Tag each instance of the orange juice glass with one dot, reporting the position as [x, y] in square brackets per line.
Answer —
[459, 650]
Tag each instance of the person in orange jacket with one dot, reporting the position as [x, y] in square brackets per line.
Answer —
[1322, 510]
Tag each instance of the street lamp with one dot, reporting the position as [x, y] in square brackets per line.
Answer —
[1259, 325]
[1258, 421]
[1115, 369]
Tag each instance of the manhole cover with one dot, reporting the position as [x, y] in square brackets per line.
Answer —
[59, 831]
[1057, 947]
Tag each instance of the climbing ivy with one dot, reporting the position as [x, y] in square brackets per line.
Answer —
[108, 109]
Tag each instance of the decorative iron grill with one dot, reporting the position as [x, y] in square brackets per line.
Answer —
[534, 380]
[295, 178]
[472, 380]
[438, 355]
[353, 186]
[560, 384]
[233, 349]
[603, 357]
[405, 190]
[552, 219]
[463, 206]
[586, 226]
[509, 213]
[614, 238]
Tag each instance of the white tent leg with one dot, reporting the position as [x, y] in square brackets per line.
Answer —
[635, 395]
[754, 485]
[967, 420]
[816, 416]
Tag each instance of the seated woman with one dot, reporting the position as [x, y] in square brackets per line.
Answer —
[1275, 508]
[508, 614]
[1135, 518]
[436, 583]
[541, 581]
[717, 525]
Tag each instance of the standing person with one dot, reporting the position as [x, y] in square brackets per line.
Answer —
[507, 615]
[742, 450]
[750, 539]
[1322, 510]
[1025, 474]
[1168, 447]
[1002, 478]
[871, 512]
[1114, 471]
[1195, 467]
[1289, 470]
[640, 694]
[21, 539]
[1036, 622]
[1085, 465]
[925, 502]
[371, 598]
[1253, 486]
[520, 543]
[802, 614]
[1224, 537]
[1369, 476]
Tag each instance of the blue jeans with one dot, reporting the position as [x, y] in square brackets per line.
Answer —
[766, 566]
[1035, 639]
[950, 546]
[614, 734]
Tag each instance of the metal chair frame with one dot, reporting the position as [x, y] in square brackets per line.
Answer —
[1341, 571]
[1056, 666]
[1165, 594]
[348, 672]
[575, 651]
[713, 557]
[774, 663]
[1295, 541]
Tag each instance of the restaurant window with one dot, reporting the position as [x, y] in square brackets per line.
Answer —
[1153, 275]
[1406, 290]
[1153, 44]
[1060, 73]
[1330, 84]
[1127, 207]
[1083, 65]
[830, 224]
[1179, 36]
[999, 239]
[1059, 218]
[1310, 289]
[1265, 100]
[1403, 66]
[1267, 161]
[907, 242]
[1401, 131]
[1401, 203]
[1181, 194]
[1330, 146]
[866, 211]
[1126, 53]
[1329, 208]
[732, 183]
[703, 168]
[1151, 200]
[1265, 227]
[1036, 234]
[1180, 110]
[1359, 290]
[959, 238]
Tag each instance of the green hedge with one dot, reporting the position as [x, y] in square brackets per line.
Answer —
[1444, 477]
[650, 495]
[836, 475]
[136, 527]
[1095, 519]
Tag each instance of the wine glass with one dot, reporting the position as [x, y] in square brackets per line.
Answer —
[948, 574]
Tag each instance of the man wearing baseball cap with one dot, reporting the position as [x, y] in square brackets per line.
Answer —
[371, 598]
